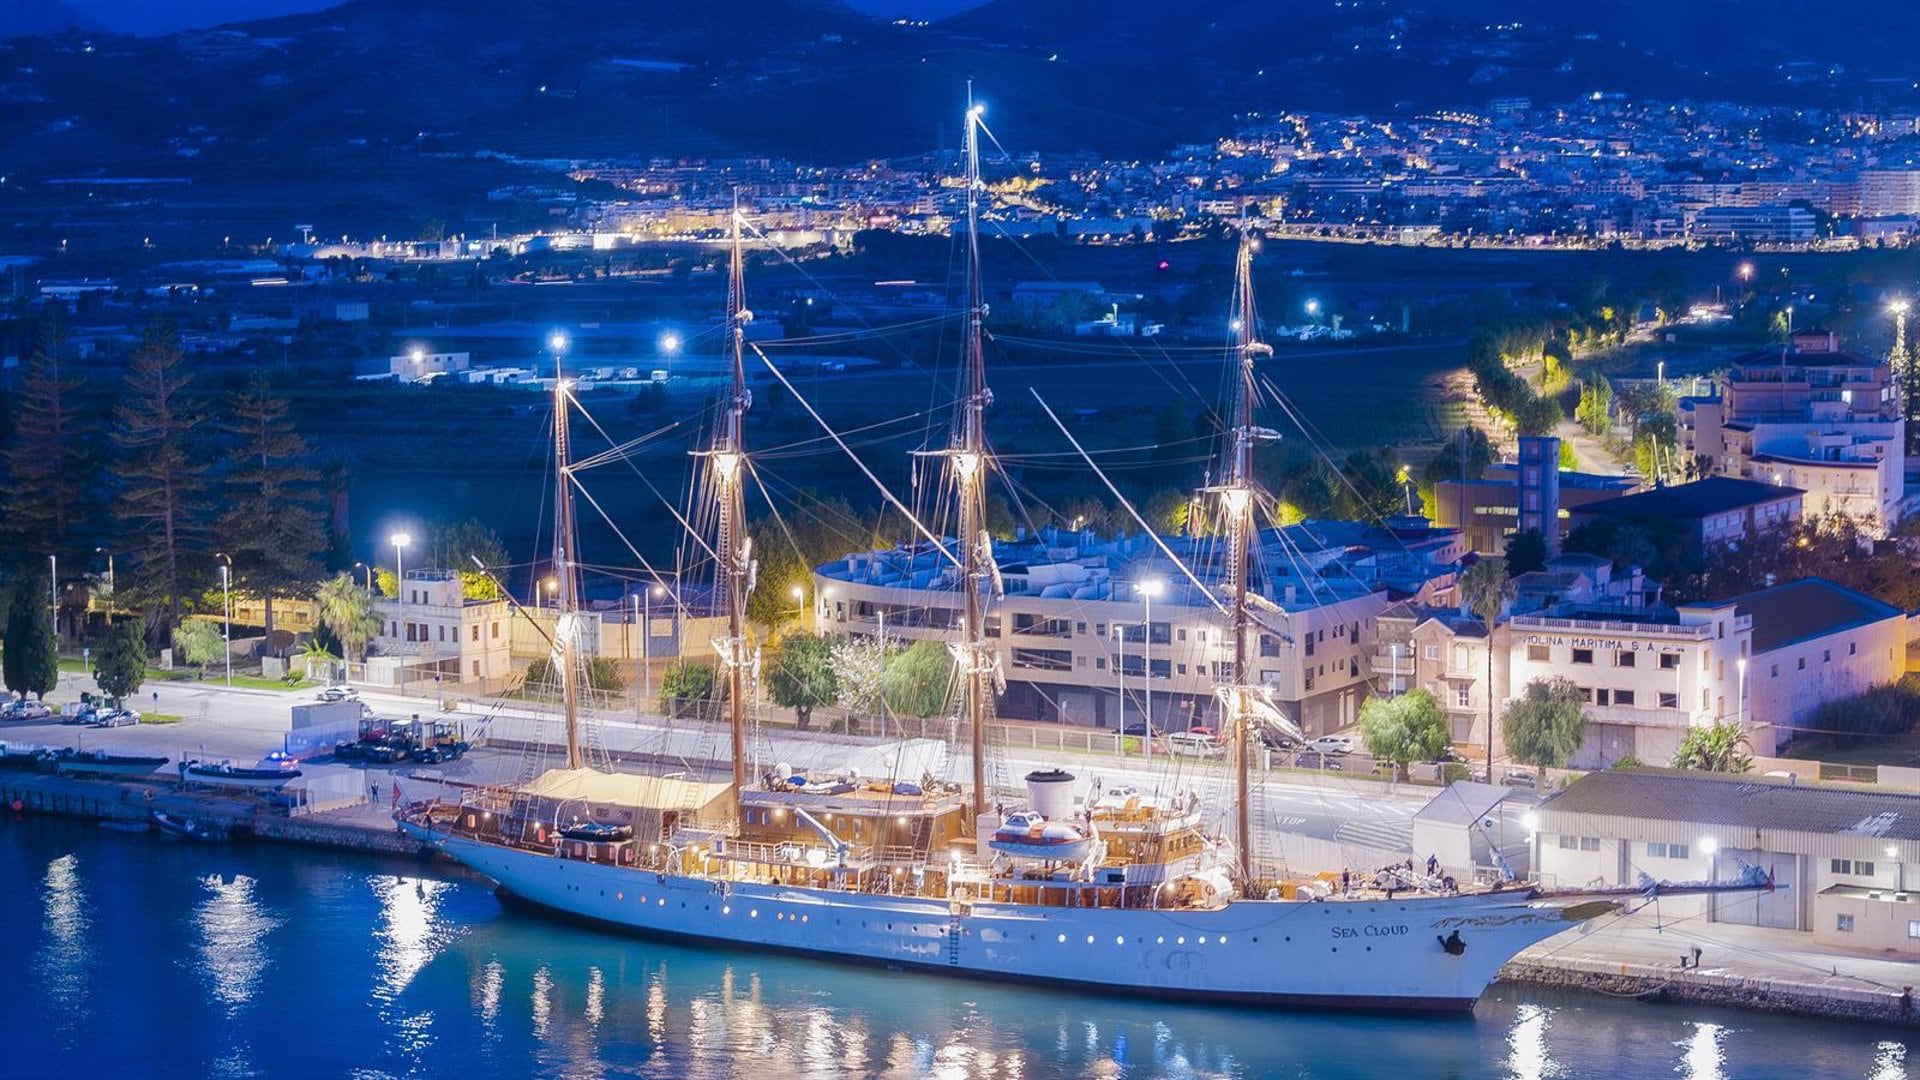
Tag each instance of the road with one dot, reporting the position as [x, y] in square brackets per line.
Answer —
[244, 724]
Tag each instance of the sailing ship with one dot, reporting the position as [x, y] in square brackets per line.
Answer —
[1127, 893]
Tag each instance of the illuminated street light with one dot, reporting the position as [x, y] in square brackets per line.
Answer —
[670, 344]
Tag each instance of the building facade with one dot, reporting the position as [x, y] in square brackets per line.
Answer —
[432, 632]
[1815, 417]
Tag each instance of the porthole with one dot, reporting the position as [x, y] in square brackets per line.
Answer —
[1203, 939]
[1063, 939]
[726, 909]
[1119, 939]
[1181, 940]
[1089, 939]
[1161, 940]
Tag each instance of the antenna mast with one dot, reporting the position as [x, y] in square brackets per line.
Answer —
[566, 625]
[735, 547]
[969, 454]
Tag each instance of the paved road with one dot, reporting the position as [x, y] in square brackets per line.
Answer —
[245, 724]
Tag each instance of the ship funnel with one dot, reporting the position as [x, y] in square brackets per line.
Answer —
[1050, 791]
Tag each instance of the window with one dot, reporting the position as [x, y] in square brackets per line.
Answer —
[1309, 680]
[442, 631]
[1669, 701]
[1776, 672]
[1569, 843]
[1589, 843]
[476, 669]
[1843, 923]
[1270, 645]
[1853, 648]
[1913, 928]
[1431, 652]
[1623, 697]
[1583, 656]
[1463, 695]
[1623, 659]
[1803, 663]
[1667, 851]
[496, 631]
[1826, 656]
[1669, 661]
[1600, 697]
[1539, 654]
[1853, 868]
[476, 633]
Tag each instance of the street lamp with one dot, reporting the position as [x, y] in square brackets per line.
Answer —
[400, 541]
[1148, 589]
[1313, 310]
[799, 594]
[645, 601]
[670, 344]
[369, 570]
[109, 555]
[226, 602]
[53, 591]
[553, 591]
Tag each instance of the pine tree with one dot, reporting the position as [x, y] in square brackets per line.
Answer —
[47, 507]
[162, 505]
[273, 524]
[32, 659]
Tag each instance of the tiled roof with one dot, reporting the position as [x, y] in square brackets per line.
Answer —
[1808, 608]
[1701, 498]
[1742, 802]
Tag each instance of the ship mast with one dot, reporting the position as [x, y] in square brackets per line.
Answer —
[566, 624]
[735, 547]
[968, 455]
[1237, 499]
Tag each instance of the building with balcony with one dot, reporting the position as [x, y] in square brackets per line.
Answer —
[1088, 629]
[432, 632]
[1813, 417]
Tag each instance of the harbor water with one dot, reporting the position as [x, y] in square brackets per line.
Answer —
[132, 955]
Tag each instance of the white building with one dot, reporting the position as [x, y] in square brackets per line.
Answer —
[1080, 642]
[1815, 642]
[1838, 856]
[1819, 419]
[432, 632]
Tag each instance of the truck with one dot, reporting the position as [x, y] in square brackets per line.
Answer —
[379, 741]
[431, 742]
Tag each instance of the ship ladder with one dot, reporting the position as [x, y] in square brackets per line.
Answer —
[953, 942]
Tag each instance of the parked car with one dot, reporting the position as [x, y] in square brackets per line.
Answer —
[1520, 778]
[340, 693]
[1314, 759]
[31, 710]
[115, 718]
[1140, 727]
[1334, 744]
[81, 714]
[1449, 755]
[1195, 744]
[1275, 739]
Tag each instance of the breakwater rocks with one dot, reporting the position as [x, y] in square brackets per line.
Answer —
[1829, 997]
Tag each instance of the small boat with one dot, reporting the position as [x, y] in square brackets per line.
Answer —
[597, 831]
[97, 762]
[19, 757]
[188, 828]
[1031, 836]
[227, 774]
[119, 825]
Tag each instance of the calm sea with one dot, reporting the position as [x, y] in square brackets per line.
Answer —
[133, 956]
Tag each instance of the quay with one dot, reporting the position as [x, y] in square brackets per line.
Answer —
[364, 828]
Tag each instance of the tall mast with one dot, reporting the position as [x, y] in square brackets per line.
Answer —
[735, 547]
[969, 455]
[566, 625]
[1237, 497]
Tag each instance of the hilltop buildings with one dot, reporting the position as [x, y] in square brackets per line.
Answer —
[1813, 417]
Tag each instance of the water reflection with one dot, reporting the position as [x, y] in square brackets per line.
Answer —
[1705, 1058]
[65, 960]
[1527, 1056]
[410, 931]
[1889, 1062]
[232, 939]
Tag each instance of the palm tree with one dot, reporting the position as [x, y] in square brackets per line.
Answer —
[1485, 589]
[347, 611]
[1719, 747]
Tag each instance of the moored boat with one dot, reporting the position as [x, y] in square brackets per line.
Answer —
[68, 760]
[227, 774]
[189, 828]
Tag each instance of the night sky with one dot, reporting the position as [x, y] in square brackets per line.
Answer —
[148, 17]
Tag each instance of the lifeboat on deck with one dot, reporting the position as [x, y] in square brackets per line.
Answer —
[1031, 836]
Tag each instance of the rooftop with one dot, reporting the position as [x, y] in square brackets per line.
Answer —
[1740, 802]
[1701, 498]
[1809, 608]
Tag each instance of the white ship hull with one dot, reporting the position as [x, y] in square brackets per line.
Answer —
[1331, 954]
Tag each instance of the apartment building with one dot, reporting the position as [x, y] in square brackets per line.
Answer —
[1087, 630]
[1813, 417]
